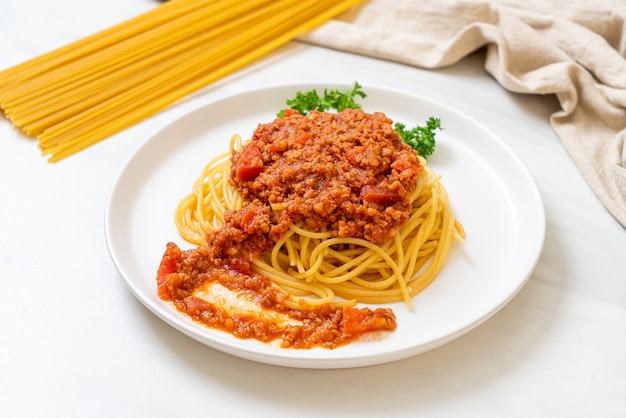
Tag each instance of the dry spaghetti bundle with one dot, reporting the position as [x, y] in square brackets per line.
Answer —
[82, 93]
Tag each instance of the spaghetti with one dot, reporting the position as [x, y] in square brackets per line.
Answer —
[317, 266]
[79, 94]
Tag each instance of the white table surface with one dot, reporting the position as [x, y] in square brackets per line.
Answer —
[74, 342]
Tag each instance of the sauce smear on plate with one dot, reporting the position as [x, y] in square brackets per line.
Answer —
[237, 300]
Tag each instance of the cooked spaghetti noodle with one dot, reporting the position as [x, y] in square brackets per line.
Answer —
[315, 266]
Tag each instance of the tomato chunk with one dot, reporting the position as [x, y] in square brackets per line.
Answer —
[250, 163]
[171, 257]
[359, 321]
[377, 195]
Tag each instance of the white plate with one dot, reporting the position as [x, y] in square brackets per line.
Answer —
[491, 191]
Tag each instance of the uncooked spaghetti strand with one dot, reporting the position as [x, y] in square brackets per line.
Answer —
[150, 91]
[102, 39]
[155, 105]
[64, 101]
[116, 107]
[115, 63]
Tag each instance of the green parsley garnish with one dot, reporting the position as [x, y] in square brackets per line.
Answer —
[420, 138]
[332, 99]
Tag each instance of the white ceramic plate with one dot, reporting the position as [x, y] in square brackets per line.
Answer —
[491, 191]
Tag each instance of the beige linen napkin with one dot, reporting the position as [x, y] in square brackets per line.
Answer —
[574, 49]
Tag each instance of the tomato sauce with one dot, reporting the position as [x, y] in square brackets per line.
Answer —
[183, 276]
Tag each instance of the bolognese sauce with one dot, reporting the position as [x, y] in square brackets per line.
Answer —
[185, 275]
[348, 173]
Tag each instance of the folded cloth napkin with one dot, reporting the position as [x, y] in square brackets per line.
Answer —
[574, 49]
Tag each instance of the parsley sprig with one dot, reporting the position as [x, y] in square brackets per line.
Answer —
[420, 138]
[304, 102]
